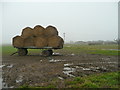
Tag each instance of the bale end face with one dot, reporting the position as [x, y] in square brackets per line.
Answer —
[38, 30]
[27, 32]
[30, 41]
[41, 42]
[50, 31]
[18, 41]
[55, 42]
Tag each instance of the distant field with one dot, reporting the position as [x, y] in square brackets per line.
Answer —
[92, 49]
[70, 48]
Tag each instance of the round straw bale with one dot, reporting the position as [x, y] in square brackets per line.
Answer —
[38, 30]
[18, 41]
[27, 32]
[50, 31]
[55, 42]
[41, 41]
[30, 41]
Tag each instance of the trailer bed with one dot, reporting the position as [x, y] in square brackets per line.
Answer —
[33, 47]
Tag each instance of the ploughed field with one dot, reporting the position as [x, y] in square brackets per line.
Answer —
[58, 70]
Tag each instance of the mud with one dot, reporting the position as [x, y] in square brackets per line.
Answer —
[35, 70]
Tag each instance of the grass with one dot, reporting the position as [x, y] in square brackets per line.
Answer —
[106, 80]
[69, 48]
[103, 80]
[105, 52]
[8, 50]
[91, 49]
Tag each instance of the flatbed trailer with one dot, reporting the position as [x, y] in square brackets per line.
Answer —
[22, 51]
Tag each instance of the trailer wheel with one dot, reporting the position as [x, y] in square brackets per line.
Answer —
[22, 52]
[51, 51]
[46, 53]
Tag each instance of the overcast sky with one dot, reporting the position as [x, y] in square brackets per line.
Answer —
[80, 21]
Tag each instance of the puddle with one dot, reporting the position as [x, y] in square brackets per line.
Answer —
[98, 63]
[103, 67]
[108, 62]
[1, 83]
[68, 73]
[19, 79]
[72, 54]
[88, 69]
[68, 70]
[56, 54]
[96, 68]
[105, 58]
[60, 78]
[76, 66]
[10, 66]
[41, 60]
[70, 67]
[68, 64]
[93, 68]
[1, 66]
[11, 86]
[4, 85]
[85, 69]
[52, 60]
[84, 63]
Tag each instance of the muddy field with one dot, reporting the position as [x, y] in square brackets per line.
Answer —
[35, 70]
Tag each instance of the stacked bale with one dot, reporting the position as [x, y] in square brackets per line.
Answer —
[18, 41]
[50, 31]
[38, 30]
[27, 32]
[55, 41]
[26, 38]
[30, 41]
[39, 37]
[40, 41]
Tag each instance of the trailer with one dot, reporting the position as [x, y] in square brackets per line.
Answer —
[38, 37]
[46, 51]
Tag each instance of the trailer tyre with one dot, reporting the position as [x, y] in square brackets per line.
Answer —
[51, 52]
[22, 52]
[46, 53]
